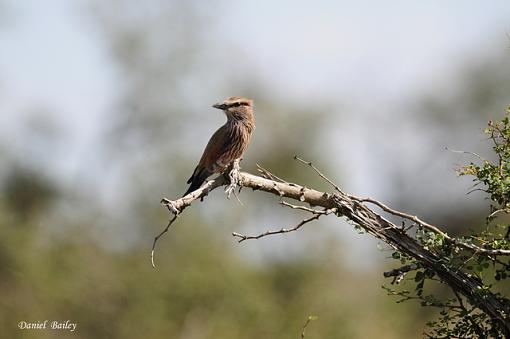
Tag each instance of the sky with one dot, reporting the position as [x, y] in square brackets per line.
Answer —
[348, 48]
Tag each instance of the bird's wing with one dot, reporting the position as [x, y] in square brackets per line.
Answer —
[216, 146]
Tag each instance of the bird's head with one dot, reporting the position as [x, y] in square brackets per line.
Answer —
[238, 108]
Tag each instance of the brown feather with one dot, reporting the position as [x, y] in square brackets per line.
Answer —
[228, 143]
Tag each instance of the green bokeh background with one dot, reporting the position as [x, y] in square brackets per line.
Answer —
[79, 249]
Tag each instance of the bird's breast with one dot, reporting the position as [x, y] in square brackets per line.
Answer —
[238, 137]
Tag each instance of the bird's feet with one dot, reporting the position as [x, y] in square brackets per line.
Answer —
[234, 178]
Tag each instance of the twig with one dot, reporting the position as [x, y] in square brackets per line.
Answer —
[177, 206]
[159, 236]
[304, 208]
[399, 273]
[310, 318]
[496, 212]
[268, 175]
[475, 190]
[401, 214]
[243, 237]
[309, 163]
[466, 152]
[237, 197]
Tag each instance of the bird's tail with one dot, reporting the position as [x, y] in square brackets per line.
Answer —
[197, 179]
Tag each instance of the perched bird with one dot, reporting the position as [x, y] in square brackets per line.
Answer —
[228, 143]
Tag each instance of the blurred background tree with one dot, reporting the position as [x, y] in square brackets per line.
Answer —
[85, 164]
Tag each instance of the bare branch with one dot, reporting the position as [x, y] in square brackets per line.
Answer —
[402, 214]
[159, 236]
[309, 163]
[243, 237]
[304, 208]
[268, 175]
[177, 206]
[433, 228]
[466, 152]
[497, 211]
[354, 209]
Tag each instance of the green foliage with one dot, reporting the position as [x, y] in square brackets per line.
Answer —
[495, 176]
[461, 317]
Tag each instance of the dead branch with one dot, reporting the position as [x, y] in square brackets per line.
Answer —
[303, 208]
[435, 229]
[159, 236]
[309, 163]
[354, 209]
[316, 215]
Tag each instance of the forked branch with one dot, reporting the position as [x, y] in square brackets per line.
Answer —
[355, 210]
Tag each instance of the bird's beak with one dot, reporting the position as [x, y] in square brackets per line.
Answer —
[219, 105]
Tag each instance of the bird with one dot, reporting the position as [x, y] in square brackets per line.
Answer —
[228, 143]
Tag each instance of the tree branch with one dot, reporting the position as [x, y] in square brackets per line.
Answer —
[354, 209]
[399, 273]
[316, 215]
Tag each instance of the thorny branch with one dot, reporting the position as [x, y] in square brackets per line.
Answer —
[354, 209]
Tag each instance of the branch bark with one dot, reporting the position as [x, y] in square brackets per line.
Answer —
[354, 209]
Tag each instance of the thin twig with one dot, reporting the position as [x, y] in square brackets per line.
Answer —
[475, 190]
[310, 318]
[177, 206]
[304, 208]
[243, 237]
[268, 175]
[401, 214]
[309, 163]
[159, 236]
[466, 152]
[237, 197]
[496, 212]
